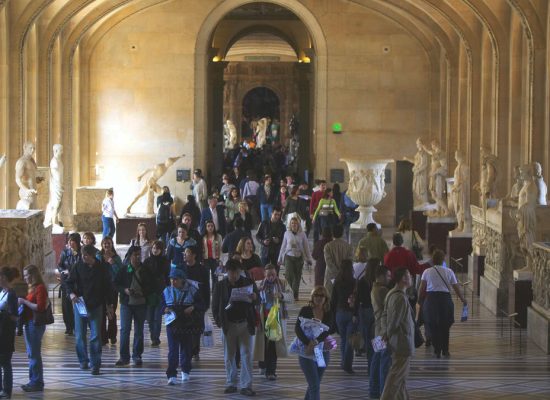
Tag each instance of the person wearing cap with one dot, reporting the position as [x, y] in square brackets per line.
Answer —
[215, 213]
[135, 283]
[237, 319]
[200, 190]
[182, 298]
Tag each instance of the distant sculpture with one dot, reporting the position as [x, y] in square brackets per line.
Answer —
[151, 186]
[460, 194]
[56, 187]
[438, 175]
[420, 175]
[541, 185]
[26, 179]
[2, 161]
[231, 134]
[275, 129]
[261, 132]
[293, 150]
[526, 213]
[293, 126]
[487, 184]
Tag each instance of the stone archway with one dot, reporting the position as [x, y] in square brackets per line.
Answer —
[260, 102]
[203, 67]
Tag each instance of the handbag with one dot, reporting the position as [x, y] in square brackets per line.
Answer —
[416, 248]
[41, 318]
[273, 330]
[355, 339]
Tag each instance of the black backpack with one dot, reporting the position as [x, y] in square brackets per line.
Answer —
[164, 213]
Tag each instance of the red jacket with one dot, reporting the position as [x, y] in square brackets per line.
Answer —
[399, 257]
[314, 202]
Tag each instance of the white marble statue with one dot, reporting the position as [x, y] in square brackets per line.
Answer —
[460, 194]
[231, 134]
[437, 183]
[25, 177]
[420, 175]
[2, 161]
[541, 185]
[487, 184]
[526, 213]
[151, 186]
[56, 187]
[261, 132]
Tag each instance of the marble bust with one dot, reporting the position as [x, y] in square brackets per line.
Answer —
[25, 177]
[150, 187]
[420, 174]
[541, 185]
[437, 182]
[460, 194]
[56, 187]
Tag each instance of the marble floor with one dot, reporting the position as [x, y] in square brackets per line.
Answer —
[486, 363]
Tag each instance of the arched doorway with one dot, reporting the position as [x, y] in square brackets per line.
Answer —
[260, 102]
[209, 70]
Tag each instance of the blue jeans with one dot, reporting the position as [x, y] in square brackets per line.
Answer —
[313, 375]
[379, 367]
[154, 319]
[266, 210]
[180, 351]
[94, 319]
[366, 326]
[345, 328]
[33, 343]
[127, 315]
[108, 226]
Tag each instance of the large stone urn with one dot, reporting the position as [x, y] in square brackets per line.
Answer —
[366, 187]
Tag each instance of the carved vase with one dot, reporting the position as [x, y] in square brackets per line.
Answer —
[366, 187]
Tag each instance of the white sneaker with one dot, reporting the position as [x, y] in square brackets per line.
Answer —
[172, 381]
[184, 376]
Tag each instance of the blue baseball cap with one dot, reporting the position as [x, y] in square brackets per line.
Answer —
[177, 273]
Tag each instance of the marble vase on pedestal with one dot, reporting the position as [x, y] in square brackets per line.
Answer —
[366, 187]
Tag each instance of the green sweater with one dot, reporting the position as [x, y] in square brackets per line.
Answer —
[328, 204]
[371, 246]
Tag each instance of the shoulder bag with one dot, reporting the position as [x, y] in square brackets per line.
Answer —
[41, 318]
[416, 248]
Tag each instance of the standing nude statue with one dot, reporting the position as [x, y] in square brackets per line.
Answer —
[151, 186]
[438, 175]
[26, 179]
[526, 213]
[56, 187]
[261, 133]
[460, 194]
[420, 175]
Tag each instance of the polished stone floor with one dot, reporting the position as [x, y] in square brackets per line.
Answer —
[485, 364]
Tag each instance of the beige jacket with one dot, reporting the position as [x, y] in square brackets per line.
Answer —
[335, 252]
[399, 323]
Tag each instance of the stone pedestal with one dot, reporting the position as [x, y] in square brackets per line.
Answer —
[127, 227]
[476, 265]
[87, 208]
[437, 230]
[458, 250]
[419, 221]
[24, 240]
[538, 315]
[495, 236]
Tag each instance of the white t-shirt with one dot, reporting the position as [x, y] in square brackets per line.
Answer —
[434, 282]
[108, 207]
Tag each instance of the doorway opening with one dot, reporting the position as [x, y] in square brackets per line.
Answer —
[259, 103]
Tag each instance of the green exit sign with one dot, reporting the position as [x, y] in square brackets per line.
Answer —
[337, 127]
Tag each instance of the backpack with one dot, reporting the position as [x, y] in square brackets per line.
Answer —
[164, 213]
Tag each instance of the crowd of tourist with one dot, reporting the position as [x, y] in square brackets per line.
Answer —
[239, 250]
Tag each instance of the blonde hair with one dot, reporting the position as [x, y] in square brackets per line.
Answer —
[34, 273]
[245, 204]
[240, 246]
[320, 290]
